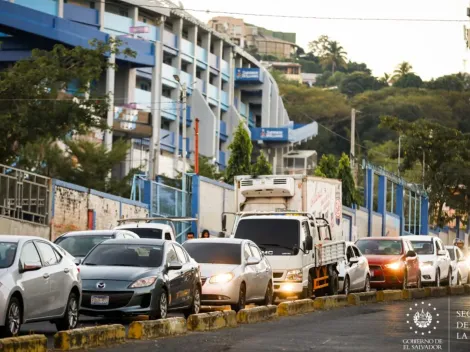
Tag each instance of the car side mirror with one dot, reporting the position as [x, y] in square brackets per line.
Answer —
[441, 252]
[78, 261]
[411, 254]
[353, 260]
[174, 266]
[224, 222]
[28, 266]
[309, 243]
[252, 261]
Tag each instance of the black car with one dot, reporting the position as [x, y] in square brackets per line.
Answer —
[139, 276]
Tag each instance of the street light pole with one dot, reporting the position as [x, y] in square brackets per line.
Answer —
[183, 100]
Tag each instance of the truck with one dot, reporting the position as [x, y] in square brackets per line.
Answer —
[296, 222]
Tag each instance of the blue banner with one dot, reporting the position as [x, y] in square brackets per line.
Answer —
[248, 74]
[270, 134]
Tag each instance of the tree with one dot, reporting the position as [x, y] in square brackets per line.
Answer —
[448, 82]
[34, 105]
[334, 57]
[206, 169]
[358, 82]
[347, 181]
[336, 79]
[385, 79]
[356, 67]
[262, 166]
[239, 162]
[319, 47]
[401, 70]
[327, 167]
[409, 80]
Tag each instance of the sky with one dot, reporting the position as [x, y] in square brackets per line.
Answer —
[432, 48]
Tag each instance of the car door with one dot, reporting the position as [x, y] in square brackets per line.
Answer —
[36, 284]
[412, 263]
[462, 265]
[60, 280]
[262, 272]
[352, 269]
[174, 276]
[362, 267]
[249, 272]
[187, 273]
[442, 260]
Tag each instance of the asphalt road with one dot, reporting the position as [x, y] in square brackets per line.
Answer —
[371, 328]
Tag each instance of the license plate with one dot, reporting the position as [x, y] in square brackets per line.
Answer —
[372, 273]
[100, 300]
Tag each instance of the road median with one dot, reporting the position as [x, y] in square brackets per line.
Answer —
[389, 295]
[436, 291]
[28, 343]
[415, 293]
[212, 321]
[152, 329]
[256, 314]
[467, 288]
[95, 336]
[455, 290]
[330, 302]
[301, 306]
[358, 299]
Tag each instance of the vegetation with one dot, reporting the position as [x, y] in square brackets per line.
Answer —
[239, 162]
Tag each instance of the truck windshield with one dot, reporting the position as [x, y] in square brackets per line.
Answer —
[273, 236]
[144, 232]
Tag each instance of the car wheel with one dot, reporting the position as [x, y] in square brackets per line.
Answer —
[419, 284]
[347, 286]
[70, 319]
[12, 319]
[241, 299]
[161, 309]
[438, 278]
[333, 285]
[405, 280]
[367, 284]
[268, 296]
[468, 278]
[196, 305]
[449, 278]
[459, 279]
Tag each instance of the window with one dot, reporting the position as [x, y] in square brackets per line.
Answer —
[349, 253]
[380, 247]
[49, 255]
[306, 228]
[423, 247]
[79, 246]
[451, 253]
[145, 86]
[357, 252]
[144, 232]
[256, 252]
[247, 252]
[7, 254]
[180, 253]
[131, 255]
[30, 254]
[171, 254]
[438, 245]
[168, 236]
[214, 253]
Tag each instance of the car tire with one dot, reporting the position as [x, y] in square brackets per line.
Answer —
[449, 278]
[438, 278]
[367, 284]
[241, 299]
[70, 319]
[333, 284]
[405, 280]
[12, 318]
[419, 284]
[347, 286]
[161, 307]
[459, 279]
[195, 307]
[269, 295]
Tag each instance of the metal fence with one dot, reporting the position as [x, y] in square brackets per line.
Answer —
[24, 195]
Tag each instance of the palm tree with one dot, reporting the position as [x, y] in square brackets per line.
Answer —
[402, 69]
[385, 78]
[335, 56]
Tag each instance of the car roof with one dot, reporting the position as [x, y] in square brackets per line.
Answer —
[92, 232]
[219, 240]
[420, 238]
[144, 225]
[382, 238]
[17, 239]
[141, 241]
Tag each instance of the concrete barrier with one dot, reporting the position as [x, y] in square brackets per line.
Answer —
[357, 299]
[467, 289]
[389, 295]
[415, 293]
[94, 336]
[212, 321]
[301, 306]
[330, 302]
[455, 290]
[29, 343]
[256, 314]
[152, 329]
[436, 291]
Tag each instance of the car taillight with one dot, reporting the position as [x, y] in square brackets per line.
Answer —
[78, 269]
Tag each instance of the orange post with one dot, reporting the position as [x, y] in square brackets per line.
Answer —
[196, 149]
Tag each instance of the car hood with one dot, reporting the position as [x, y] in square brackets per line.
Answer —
[208, 270]
[382, 259]
[118, 273]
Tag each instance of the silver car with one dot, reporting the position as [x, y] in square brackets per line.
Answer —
[234, 272]
[37, 283]
[354, 272]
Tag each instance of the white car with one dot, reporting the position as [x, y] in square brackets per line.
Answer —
[434, 260]
[460, 266]
[354, 272]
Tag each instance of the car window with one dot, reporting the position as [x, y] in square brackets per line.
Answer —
[439, 246]
[132, 255]
[356, 251]
[29, 254]
[306, 228]
[350, 253]
[255, 251]
[423, 247]
[168, 236]
[179, 252]
[247, 252]
[214, 253]
[171, 254]
[451, 253]
[80, 245]
[7, 254]
[48, 253]
[380, 247]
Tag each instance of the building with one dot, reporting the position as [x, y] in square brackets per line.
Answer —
[291, 70]
[309, 79]
[225, 85]
[261, 41]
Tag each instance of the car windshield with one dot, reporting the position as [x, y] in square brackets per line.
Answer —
[423, 247]
[380, 247]
[79, 246]
[7, 254]
[143, 232]
[451, 253]
[125, 255]
[273, 236]
[214, 253]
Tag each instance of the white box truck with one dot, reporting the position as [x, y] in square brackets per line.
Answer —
[296, 222]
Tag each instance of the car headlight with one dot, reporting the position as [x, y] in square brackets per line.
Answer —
[221, 278]
[294, 275]
[426, 264]
[144, 282]
[394, 266]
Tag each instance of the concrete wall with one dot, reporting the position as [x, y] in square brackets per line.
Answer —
[392, 225]
[10, 226]
[361, 223]
[376, 225]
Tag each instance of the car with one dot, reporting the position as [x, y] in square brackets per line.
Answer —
[354, 273]
[37, 283]
[460, 266]
[128, 277]
[234, 272]
[434, 260]
[79, 243]
[392, 262]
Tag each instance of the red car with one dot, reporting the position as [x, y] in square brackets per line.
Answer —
[392, 262]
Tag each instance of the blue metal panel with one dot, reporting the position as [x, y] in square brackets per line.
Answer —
[383, 201]
[46, 6]
[400, 206]
[424, 215]
[81, 14]
[148, 194]
[369, 199]
[195, 203]
[14, 55]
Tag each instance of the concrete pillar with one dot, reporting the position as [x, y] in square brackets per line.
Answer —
[238, 92]
[110, 77]
[101, 11]
[229, 57]
[206, 44]
[178, 31]
[193, 39]
[274, 108]
[266, 103]
[219, 51]
[60, 8]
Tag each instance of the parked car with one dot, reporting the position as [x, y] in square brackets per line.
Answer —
[354, 273]
[79, 243]
[37, 283]
[392, 262]
[460, 266]
[234, 272]
[434, 260]
[139, 276]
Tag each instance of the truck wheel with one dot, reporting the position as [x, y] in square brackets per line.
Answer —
[333, 284]
[308, 292]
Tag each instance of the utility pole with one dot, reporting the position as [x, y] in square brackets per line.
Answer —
[352, 152]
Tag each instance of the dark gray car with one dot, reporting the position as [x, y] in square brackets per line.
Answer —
[139, 276]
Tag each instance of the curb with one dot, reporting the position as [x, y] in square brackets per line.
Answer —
[358, 299]
[455, 290]
[29, 343]
[152, 329]
[301, 306]
[212, 321]
[415, 293]
[436, 291]
[389, 295]
[467, 288]
[94, 336]
[256, 314]
[330, 302]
